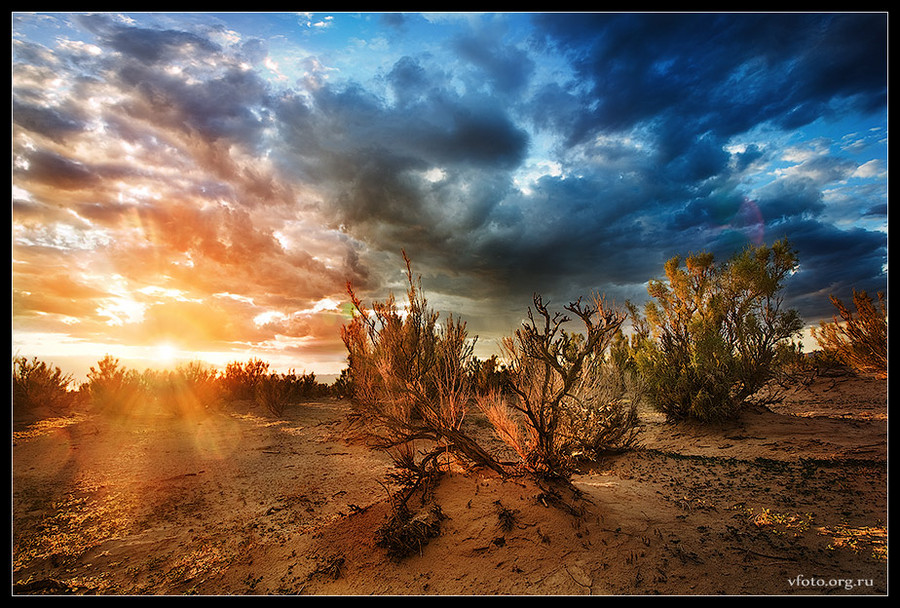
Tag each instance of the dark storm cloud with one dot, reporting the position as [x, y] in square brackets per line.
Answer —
[220, 107]
[724, 73]
[408, 80]
[59, 171]
[208, 93]
[686, 84]
[833, 262]
[50, 122]
[508, 69]
[372, 155]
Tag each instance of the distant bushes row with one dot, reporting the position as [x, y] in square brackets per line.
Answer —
[189, 390]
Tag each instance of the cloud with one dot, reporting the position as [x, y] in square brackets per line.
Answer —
[720, 72]
[507, 69]
[506, 154]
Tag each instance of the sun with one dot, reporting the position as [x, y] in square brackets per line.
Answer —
[165, 352]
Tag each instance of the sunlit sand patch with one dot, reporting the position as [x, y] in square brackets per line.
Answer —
[599, 484]
[259, 421]
[199, 563]
[781, 523]
[45, 427]
[828, 413]
[860, 540]
[86, 517]
[215, 440]
[268, 422]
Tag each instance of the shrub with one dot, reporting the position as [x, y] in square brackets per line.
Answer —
[240, 379]
[488, 375]
[859, 341]
[273, 393]
[600, 416]
[342, 388]
[112, 389]
[303, 387]
[36, 384]
[560, 403]
[193, 389]
[717, 331]
[410, 387]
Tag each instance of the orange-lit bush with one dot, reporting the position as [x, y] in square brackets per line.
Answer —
[272, 393]
[37, 384]
[240, 379]
[561, 402]
[859, 340]
[410, 387]
[112, 389]
[193, 389]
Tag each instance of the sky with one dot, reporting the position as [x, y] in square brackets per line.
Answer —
[203, 186]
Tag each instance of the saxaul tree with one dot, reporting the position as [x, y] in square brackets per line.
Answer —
[548, 392]
[858, 340]
[411, 390]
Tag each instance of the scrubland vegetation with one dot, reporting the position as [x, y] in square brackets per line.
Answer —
[711, 338]
[712, 335]
[192, 389]
[563, 391]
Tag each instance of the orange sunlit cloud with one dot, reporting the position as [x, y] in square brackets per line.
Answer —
[132, 242]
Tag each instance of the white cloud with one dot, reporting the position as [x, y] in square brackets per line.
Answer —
[872, 169]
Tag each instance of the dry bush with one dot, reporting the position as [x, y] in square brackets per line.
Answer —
[240, 379]
[600, 417]
[560, 403]
[192, 390]
[272, 392]
[410, 387]
[859, 340]
[114, 390]
[405, 532]
[303, 387]
[37, 384]
[488, 375]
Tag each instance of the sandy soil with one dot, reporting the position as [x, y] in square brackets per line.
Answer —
[783, 502]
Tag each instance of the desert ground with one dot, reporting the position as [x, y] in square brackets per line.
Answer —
[790, 500]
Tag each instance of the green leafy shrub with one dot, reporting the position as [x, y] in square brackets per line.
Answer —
[717, 331]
